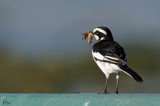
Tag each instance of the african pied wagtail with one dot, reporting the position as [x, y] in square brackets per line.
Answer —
[110, 56]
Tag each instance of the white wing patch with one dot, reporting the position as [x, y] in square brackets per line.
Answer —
[109, 59]
[113, 58]
[98, 56]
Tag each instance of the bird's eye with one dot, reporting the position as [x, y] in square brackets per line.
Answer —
[96, 33]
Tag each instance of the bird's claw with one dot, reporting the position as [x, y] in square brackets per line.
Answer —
[104, 92]
[116, 92]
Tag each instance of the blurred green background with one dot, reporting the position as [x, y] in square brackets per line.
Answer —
[41, 50]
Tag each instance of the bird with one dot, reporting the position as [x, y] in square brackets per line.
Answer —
[110, 57]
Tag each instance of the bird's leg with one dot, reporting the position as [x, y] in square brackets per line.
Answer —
[117, 81]
[105, 88]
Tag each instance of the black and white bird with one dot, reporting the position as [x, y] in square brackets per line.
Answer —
[110, 56]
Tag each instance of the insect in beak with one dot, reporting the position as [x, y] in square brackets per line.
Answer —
[88, 35]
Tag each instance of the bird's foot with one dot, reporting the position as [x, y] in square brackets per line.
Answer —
[104, 92]
[116, 92]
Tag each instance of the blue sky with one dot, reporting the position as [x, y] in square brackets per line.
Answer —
[34, 26]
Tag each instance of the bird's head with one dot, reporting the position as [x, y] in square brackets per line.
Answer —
[102, 33]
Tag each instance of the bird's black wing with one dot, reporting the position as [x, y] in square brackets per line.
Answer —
[111, 51]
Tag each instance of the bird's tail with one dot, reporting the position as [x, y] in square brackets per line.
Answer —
[131, 73]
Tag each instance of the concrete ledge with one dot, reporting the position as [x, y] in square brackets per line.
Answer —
[79, 100]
